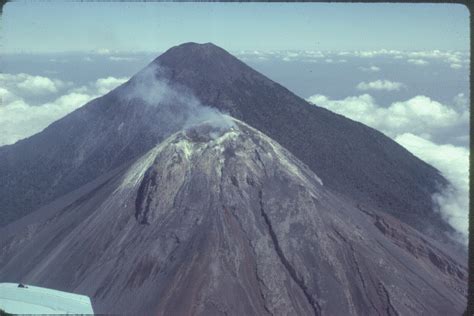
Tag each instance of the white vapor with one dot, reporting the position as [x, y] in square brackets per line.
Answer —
[419, 115]
[176, 104]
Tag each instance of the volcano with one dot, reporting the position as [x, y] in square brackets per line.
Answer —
[223, 220]
[150, 200]
[351, 158]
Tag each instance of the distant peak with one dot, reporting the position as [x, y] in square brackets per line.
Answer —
[193, 45]
[195, 51]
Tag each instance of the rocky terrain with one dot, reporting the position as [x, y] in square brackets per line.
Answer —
[219, 219]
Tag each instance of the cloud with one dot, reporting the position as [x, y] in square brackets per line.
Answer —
[420, 62]
[416, 57]
[416, 124]
[121, 58]
[6, 96]
[104, 85]
[419, 58]
[37, 84]
[315, 54]
[461, 102]
[419, 115]
[456, 66]
[31, 85]
[284, 55]
[102, 51]
[290, 55]
[380, 85]
[61, 61]
[368, 54]
[373, 53]
[20, 119]
[454, 58]
[453, 162]
[330, 60]
[370, 69]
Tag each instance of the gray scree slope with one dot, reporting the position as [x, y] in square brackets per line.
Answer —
[215, 222]
[351, 158]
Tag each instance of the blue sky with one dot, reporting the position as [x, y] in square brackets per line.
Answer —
[59, 26]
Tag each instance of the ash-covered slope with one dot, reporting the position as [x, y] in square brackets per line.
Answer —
[225, 221]
[352, 159]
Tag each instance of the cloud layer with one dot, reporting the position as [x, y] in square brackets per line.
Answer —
[419, 62]
[415, 124]
[30, 103]
[453, 162]
[455, 59]
[419, 115]
[20, 117]
[30, 85]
